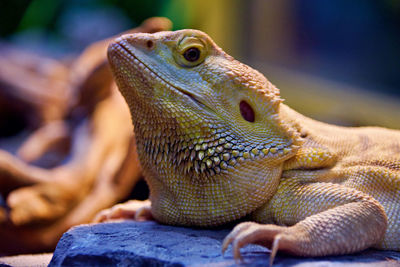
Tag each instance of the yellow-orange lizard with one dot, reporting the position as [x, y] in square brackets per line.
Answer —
[216, 144]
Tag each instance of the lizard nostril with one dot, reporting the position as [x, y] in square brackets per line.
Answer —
[150, 44]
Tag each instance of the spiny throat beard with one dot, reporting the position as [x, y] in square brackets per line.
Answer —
[194, 152]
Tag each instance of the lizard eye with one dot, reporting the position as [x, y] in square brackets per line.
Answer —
[247, 111]
[192, 54]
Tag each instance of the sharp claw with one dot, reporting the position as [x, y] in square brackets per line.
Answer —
[232, 238]
[143, 213]
[225, 244]
[97, 219]
[274, 249]
[100, 218]
[248, 233]
[236, 254]
[223, 249]
[139, 213]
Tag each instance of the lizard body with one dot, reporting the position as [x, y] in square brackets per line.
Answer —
[216, 144]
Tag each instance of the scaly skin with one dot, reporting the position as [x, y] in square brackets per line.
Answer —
[310, 188]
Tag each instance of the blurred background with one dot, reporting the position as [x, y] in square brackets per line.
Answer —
[335, 61]
[338, 61]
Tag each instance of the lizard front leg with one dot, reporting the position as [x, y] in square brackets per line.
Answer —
[314, 219]
[132, 210]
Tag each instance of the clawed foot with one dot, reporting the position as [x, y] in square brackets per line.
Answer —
[246, 233]
[134, 210]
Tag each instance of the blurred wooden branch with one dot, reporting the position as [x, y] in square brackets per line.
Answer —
[72, 114]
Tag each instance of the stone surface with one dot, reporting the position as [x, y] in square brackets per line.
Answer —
[152, 244]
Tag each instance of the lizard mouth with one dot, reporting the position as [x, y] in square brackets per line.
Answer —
[218, 148]
[126, 49]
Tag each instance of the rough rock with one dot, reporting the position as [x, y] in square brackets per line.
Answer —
[152, 244]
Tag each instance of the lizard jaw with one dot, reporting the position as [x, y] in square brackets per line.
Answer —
[217, 152]
[121, 46]
[182, 145]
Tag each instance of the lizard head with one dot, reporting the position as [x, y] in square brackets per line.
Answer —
[202, 118]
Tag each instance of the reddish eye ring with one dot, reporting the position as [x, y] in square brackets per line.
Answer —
[246, 111]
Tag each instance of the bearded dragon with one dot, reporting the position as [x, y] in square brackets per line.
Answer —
[217, 143]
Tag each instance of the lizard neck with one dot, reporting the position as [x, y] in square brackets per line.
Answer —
[222, 198]
[323, 144]
[208, 176]
[316, 133]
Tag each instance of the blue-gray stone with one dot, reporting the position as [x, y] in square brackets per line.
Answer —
[151, 244]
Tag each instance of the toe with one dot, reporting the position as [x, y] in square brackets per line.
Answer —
[144, 214]
[253, 233]
[235, 232]
[101, 216]
[131, 210]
